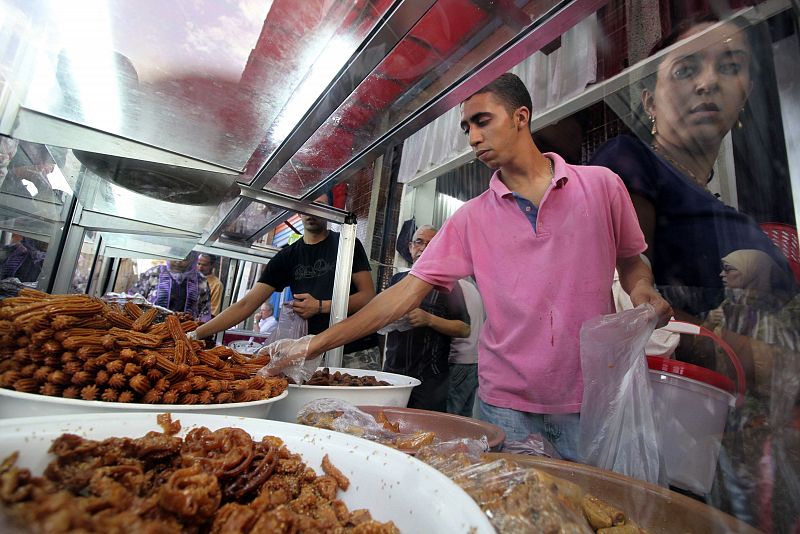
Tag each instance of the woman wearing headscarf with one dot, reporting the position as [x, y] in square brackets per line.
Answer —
[753, 310]
[177, 286]
[761, 324]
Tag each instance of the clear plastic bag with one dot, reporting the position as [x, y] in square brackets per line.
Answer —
[339, 415]
[287, 358]
[400, 325]
[290, 325]
[517, 499]
[533, 445]
[617, 428]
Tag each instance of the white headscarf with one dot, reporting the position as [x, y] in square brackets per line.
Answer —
[759, 270]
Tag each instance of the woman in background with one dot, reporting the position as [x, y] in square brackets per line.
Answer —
[177, 286]
[692, 101]
[761, 323]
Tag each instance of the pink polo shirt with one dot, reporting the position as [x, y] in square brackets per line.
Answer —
[537, 288]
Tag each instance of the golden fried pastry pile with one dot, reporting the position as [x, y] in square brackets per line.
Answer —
[521, 499]
[78, 347]
[324, 377]
[220, 481]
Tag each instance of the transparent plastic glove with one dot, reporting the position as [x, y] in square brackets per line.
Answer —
[400, 325]
[288, 357]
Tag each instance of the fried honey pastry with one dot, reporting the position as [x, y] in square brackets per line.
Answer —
[191, 494]
[144, 320]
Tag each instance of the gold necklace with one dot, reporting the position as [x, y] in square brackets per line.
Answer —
[680, 167]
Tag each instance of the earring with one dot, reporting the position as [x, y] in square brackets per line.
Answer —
[739, 120]
[653, 129]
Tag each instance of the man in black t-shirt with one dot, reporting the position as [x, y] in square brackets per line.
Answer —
[423, 351]
[308, 267]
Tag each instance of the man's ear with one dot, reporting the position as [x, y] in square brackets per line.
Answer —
[522, 117]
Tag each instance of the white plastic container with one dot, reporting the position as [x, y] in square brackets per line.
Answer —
[396, 394]
[392, 485]
[690, 417]
[17, 404]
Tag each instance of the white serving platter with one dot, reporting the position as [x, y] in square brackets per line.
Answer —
[18, 404]
[397, 394]
[392, 485]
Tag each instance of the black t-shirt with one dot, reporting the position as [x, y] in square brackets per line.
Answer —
[311, 269]
[418, 350]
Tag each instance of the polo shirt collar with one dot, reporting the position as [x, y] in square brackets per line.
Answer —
[559, 180]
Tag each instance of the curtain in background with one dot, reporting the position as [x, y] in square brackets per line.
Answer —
[551, 79]
[455, 187]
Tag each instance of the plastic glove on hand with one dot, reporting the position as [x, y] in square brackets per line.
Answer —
[288, 357]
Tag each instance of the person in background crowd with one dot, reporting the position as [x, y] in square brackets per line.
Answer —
[177, 286]
[464, 355]
[22, 259]
[206, 264]
[542, 244]
[308, 266]
[761, 323]
[265, 319]
[692, 101]
[422, 351]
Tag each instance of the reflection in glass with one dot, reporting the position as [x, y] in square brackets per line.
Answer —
[439, 49]
[88, 261]
[33, 192]
[708, 176]
[254, 218]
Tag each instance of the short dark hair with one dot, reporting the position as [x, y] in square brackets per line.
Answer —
[511, 92]
[211, 257]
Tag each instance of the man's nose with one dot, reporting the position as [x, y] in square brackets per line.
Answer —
[475, 137]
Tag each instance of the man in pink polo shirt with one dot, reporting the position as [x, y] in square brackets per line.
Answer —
[542, 244]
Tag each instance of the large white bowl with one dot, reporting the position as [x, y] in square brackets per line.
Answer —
[395, 395]
[390, 484]
[17, 404]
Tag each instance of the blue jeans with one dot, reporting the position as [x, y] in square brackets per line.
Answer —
[463, 384]
[561, 430]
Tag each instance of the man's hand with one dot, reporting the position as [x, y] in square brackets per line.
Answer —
[305, 305]
[646, 293]
[418, 317]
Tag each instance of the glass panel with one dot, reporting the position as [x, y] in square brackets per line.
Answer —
[700, 130]
[86, 261]
[137, 246]
[155, 194]
[704, 136]
[34, 195]
[422, 64]
[199, 77]
[229, 201]
[254, 218]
